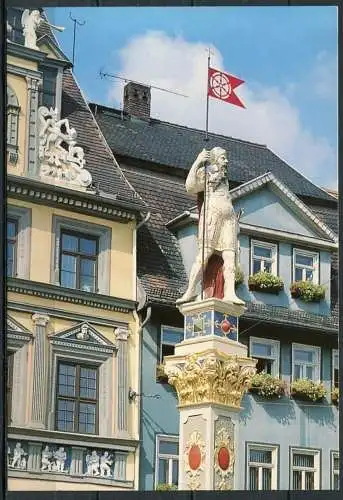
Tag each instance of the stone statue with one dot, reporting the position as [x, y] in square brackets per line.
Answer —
[46, 459]
[93, 463]
[220, 237]
[19, 457]
[30, 23]
[105, 464]
[60, 457]
[60, 158]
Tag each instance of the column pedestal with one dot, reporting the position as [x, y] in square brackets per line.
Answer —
[210, 372]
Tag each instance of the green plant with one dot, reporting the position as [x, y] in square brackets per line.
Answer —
[307, 390]
[265, 282]
[239, 276]
[307, 291]
[335, 396]
[267, 386]
[165, 487]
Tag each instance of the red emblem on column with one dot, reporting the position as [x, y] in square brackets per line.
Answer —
[223, 458]
[194, 457]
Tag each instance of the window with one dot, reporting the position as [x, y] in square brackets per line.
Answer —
[334, 470]
[167, 460]
[169, 337]
[78, 262]
[335, 368]
[11, 259]
[304, 469]
[76, 409]
[305, 266]
[15, 34]
[47, 93]
[263, 257]
[267, 352]
[306, 362]
[10, 358]
[262, 467]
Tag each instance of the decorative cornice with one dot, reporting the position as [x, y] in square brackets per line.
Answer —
[54, 292]
[87, 203]
[17, 70]
[210, 377]
[15, 49]
[85, 347]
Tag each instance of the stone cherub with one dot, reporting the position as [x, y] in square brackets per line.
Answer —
[220, 238]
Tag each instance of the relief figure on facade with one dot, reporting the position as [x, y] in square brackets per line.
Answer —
[19, 460]
[105, 464]
[217, 231]
[93, 464]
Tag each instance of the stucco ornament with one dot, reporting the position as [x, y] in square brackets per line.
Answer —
[30, 22]
[61, 160]
[211, 378]
[93, 464]
[194, 456]
[106, 462]
[224, 453]
[221, 224]
[19, 460]
[60, 457]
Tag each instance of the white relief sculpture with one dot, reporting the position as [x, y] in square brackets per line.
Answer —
[19, 457]
[46, 459]
[83, 334]
[221, 224]
[105, 464]
[9, 30]
[93, 464]
[8, 455]
[60, 457]
[30, 21]
[61, 160]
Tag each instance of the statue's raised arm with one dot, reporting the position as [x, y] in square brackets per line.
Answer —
[196, 176]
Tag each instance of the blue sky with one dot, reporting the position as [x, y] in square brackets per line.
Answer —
[286, 55]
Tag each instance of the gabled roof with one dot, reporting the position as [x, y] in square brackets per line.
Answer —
[171, 145]
[83, 336]
[290, 198]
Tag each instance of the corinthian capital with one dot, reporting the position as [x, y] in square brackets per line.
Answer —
[40, 319]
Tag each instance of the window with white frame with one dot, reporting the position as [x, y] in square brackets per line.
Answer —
[18, 241]
[305, 471]
[167, 460]
[170, 336]
[305, 362]
[267, 353]
[334, 470]
[261, 467]
[335, 368]
[263, 257]
[305, 265]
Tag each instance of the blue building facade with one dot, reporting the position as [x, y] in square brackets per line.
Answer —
[288, 227]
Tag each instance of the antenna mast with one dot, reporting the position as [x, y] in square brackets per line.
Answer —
[80, 23]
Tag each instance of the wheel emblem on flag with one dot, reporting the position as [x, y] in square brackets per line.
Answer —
[220, 85]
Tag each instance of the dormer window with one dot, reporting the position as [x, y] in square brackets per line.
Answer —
[14, 27]
[47, 92]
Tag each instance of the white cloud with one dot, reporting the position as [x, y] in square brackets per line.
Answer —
[181, 66]
[324, 76]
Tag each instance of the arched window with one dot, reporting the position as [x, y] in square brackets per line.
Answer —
[12, 125]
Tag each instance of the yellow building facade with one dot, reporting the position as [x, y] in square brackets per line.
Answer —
[72, 335]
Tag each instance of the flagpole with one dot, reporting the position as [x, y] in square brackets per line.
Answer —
[205, 184]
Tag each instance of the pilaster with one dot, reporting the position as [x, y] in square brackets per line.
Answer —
[121, 337]
[40, 372]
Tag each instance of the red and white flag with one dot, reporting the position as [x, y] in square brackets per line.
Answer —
[222, 85]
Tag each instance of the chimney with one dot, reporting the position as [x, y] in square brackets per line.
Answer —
[137, 100]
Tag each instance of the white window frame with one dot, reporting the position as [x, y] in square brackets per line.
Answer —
[275, 345]
[315, 469]
[273, 466]
[334, 472]
[161, 343]
[317, 365]
[165, 437]
[335, 353]
[104, 235]
[23, 217]
[315, 268]
[270, 246]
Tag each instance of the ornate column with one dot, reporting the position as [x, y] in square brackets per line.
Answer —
[121, 336]
[35, 456]
[210, 372]
[40, 372]
[77, 460]
[120, 466]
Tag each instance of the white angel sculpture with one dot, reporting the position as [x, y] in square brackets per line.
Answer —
[30, 22]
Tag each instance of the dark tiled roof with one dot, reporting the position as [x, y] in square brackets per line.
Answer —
[174, 145]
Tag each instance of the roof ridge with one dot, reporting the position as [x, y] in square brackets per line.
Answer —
[178, 125]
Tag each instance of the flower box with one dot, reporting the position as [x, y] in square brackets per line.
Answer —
[265, 282]
[166, 487]
[307, 291]
[306, 390]
[267, 386]
[239, 277]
